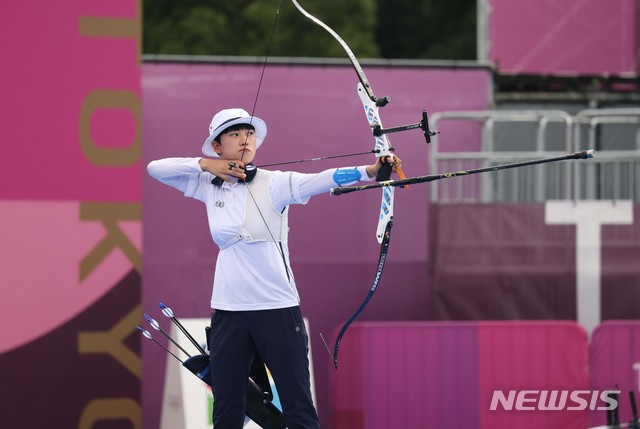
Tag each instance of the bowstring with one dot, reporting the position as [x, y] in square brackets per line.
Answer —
[322, 158]
[278, 248]
[266, 58]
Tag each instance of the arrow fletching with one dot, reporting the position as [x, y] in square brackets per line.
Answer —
[169, 313]
[166, 310]
[144, 332]
[152, 322]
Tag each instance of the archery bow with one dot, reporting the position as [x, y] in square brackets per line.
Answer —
[383, 150]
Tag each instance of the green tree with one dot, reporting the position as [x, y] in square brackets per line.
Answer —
[243, 27]
[411, 29]
[427, 29]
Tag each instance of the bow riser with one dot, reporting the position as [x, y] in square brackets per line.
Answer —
[382, 149]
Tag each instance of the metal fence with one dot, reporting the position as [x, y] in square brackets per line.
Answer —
[519, 135]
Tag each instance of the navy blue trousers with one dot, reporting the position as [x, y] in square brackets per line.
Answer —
[280, 337]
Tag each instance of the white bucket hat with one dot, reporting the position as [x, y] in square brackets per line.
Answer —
[227, 118]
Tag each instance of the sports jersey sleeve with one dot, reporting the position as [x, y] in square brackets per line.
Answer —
[297, 188]
[183, 174]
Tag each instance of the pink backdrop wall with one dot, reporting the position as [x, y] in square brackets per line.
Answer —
[615, 361]
[569, 36]
[311, 111]
[70, 253]
[443, 374]
[503, 261]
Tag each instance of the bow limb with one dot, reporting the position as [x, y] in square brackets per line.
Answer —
[356, 65]
[384, 248]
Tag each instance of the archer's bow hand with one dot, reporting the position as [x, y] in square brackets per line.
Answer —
[384, 166]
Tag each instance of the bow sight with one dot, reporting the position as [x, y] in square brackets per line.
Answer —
[378, 131]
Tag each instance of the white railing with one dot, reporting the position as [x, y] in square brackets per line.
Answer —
[613, 174]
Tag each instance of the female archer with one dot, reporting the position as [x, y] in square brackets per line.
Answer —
[255, 301]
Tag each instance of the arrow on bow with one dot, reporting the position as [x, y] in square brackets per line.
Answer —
[583, 154]
[383, 149]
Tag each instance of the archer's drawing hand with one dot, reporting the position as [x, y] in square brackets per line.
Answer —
[227, 170]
